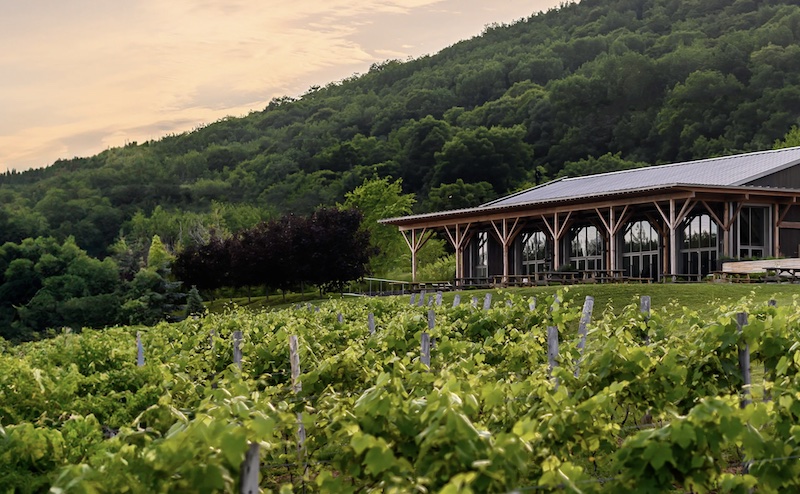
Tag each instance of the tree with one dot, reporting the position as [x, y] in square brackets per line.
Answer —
[194, 303]
[157, 256]
[459, 195]
[791, 139]
[339, 249]
[591, 165]
[205, 266]
[377, 199]
[498, 156]
[47, 284]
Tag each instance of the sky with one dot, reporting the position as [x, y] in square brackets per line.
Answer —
[81, 76]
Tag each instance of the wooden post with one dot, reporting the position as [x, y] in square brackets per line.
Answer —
[371, 322]
[586, 317]
[139, 350]
[552, 347]
[425, 356]
[297, 386]
[456, 300]
[237, 348]
[556, 301]
[415, 243]
[413, 298]
[744, 360]
[673, 239]
[644, 308]
[439, 298]
[340, 318]
[250, 470]
[430, 300]
[487, 302]
[421, 298]
[459, 239]
[474, 301]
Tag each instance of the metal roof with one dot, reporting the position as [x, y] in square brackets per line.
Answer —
[501, 208]
[726, 171]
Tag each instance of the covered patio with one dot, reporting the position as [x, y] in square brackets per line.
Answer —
[676, 222]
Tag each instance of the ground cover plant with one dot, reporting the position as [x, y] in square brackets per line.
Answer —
[651, 402]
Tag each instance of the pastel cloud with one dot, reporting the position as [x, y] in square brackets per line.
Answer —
[84, 75]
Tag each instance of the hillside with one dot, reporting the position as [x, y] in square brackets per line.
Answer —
[649, 81]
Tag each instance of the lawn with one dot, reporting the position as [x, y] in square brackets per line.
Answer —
[702, 297]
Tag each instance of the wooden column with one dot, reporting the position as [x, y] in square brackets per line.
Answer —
[415, 243]
[673, 220]
[459, 238]
[557, 231]
[726, 225]
[673, 238]
[613, 226]
[776, 231]
[506, 237]
[726, 233]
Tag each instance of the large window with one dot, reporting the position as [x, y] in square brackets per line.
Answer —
[753, 224]
[534, 253]
[640, 252]
[700, 245]
[482, 258]
[586, 248]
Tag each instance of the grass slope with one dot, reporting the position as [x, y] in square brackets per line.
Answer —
[701, 297]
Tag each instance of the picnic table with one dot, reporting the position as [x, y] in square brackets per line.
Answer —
[790, 273]
[738, 276]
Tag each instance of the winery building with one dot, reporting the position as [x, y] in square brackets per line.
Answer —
[672, 220]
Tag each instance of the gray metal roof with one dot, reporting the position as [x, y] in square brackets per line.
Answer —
[726, 171]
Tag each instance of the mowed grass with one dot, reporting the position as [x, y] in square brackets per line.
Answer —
[705, 298]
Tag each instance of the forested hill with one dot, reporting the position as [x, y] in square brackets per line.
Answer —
[649, 81]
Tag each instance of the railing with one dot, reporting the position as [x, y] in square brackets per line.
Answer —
[382, 287]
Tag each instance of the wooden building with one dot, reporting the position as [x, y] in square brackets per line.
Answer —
[672, 220]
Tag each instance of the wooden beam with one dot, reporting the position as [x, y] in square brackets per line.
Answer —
[623, 219]
[533, 211]
[714, 215]
[685, 210]
[790, 225]
[415, 244]
[776, 232]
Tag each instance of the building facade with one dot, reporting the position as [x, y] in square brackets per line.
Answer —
[680, 219]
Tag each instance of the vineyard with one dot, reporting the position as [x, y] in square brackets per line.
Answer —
[510, 395]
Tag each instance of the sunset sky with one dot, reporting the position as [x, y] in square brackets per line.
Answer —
[80, 76]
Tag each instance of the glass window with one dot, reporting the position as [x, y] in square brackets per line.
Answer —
[753, 224]
[534, 252]
[700, 245]
[482, 262]
[640, 251]
[586, 248]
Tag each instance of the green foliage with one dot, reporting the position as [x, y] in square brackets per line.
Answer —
[158, 258]
[606, 163]
[792, 138]
[442, 269]
[459, 195]
[47, 284]
[624, 414]
[194, 303]
[378, 199]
